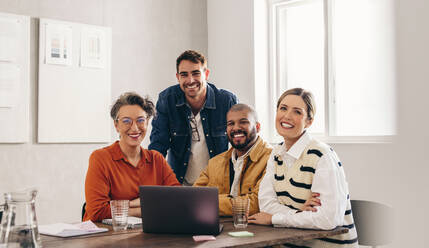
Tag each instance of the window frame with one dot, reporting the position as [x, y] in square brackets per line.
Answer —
[274, 8]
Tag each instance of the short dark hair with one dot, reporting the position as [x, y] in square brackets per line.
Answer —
[193, 56]
[132, 98]
[306, 96]
[242, 106]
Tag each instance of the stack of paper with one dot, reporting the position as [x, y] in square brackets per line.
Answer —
[69, 230]
[133, 222]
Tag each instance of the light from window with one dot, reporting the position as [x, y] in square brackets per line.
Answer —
[363, 58]
[303, 53]
[344, 51]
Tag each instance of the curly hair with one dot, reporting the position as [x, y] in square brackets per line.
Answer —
[132, 98]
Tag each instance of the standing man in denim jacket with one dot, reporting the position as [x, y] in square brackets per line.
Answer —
[191, 119]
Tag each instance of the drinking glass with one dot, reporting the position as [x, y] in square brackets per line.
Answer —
[240, 211]
[119, 210]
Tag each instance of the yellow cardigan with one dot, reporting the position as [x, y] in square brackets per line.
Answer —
[216, 174]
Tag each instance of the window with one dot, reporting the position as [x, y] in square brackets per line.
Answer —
[343, 52]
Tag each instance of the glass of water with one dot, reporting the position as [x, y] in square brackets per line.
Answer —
[119, 209]
[240, 211]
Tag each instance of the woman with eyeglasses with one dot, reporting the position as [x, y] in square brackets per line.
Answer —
[115, 172]
[304, 185]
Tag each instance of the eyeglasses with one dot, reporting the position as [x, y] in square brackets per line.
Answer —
[128, 122]
[194, 128]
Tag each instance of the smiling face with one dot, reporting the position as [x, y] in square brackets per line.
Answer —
[131, 124]
[192, 78]
[242, 129]
[292, 119]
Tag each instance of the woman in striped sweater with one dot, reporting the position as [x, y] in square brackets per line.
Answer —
[304, 185]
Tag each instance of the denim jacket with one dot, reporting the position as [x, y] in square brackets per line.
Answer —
[171, 130]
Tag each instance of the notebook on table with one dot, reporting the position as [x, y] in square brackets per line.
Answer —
[180, 210]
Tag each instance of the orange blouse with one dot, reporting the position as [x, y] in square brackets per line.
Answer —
[111, 177]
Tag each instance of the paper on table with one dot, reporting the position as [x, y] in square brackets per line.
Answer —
[69, 230]
[87, 225]
[133, 222]
[198, 238]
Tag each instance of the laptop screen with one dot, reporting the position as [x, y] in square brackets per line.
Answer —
[172, 209]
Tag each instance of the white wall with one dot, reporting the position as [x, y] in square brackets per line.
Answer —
[238, 61]
[230, 46]
[412, 166]
[147, 37]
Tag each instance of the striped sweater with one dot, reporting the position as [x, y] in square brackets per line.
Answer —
[293, 188]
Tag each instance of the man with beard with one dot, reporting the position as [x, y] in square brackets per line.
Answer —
[190, 120]
[239, 170]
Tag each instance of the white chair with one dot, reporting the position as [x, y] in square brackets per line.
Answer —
[373, 222]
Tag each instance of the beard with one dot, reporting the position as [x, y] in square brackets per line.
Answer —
[250, 137]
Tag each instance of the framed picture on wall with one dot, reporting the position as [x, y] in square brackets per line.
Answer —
[59, 45]
[93, 48]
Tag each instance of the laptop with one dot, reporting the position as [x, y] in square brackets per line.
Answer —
[180, 210]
